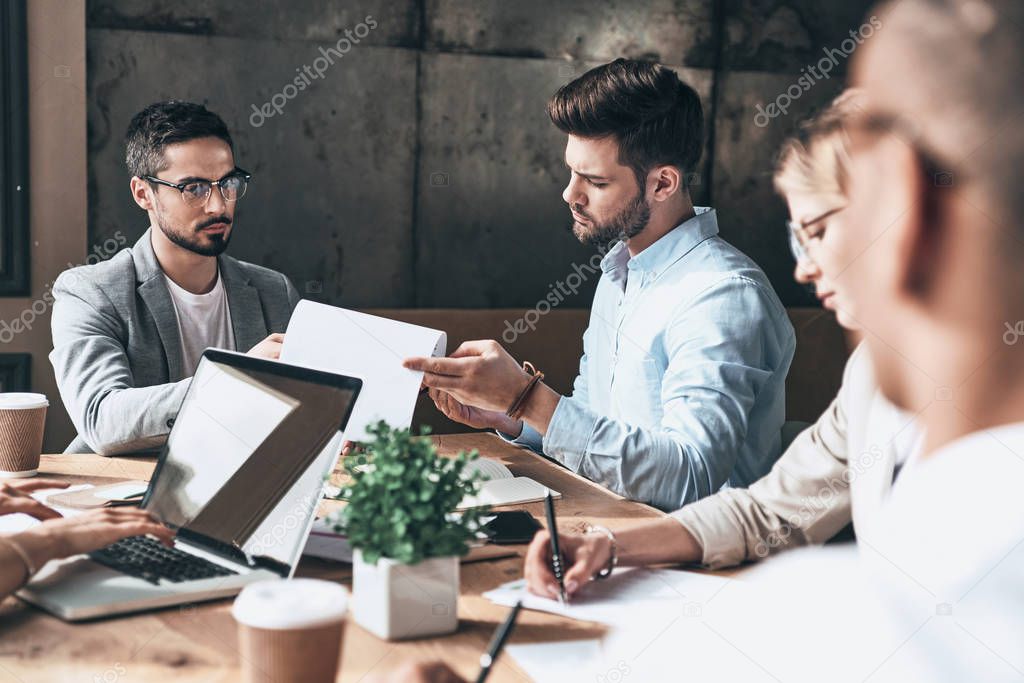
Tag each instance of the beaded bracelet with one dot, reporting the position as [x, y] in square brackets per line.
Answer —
[613, 559]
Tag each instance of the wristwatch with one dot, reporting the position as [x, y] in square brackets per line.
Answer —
[613, 559]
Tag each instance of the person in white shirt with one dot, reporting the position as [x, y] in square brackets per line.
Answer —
[204, 321]
[935, 279]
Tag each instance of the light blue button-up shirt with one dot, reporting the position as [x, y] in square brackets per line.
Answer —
[681, 389]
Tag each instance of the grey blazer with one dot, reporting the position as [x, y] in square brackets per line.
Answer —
[116, 347]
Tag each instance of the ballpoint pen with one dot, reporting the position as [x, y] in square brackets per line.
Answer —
[497, 643]
[556, 553]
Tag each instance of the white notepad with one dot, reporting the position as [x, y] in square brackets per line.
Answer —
[502, 487]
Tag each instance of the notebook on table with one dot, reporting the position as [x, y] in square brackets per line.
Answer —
[501, 487]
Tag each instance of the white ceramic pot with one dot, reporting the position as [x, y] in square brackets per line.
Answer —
[395, 601]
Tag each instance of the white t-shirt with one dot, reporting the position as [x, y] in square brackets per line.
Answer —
[951, 560]
[204, 321]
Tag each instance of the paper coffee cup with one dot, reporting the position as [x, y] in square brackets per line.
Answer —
[22, 419]
[290, 630]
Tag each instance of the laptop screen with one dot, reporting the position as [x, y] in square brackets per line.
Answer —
[245, 461]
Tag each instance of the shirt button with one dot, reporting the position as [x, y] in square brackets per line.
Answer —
[170, 422]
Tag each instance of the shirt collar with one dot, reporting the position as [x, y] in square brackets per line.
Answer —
[670, 248]
[677, 242]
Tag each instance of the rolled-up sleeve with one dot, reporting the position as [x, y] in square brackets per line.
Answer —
[530, 437]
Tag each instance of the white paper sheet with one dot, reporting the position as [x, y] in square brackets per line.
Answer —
[627, 594]
[365, 346]
[560, 661]
[802, 617]
[645, 610]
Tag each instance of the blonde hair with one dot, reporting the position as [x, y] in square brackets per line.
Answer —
[815, 161]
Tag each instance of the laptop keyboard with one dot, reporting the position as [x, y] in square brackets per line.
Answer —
[145, 558]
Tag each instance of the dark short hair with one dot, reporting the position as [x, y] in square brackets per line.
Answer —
[166, 123]
[655, 117]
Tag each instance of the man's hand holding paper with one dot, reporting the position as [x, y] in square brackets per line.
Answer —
[365, 346]
[486, 382]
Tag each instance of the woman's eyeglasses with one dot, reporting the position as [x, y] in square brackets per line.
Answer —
[800, 234]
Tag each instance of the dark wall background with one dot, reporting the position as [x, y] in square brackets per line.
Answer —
[421, 170]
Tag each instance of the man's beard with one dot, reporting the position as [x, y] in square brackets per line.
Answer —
[628, 223]
[217, 245]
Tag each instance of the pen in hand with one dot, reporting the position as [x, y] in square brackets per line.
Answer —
[556, 553]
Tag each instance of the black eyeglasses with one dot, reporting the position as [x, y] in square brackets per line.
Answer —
[197, 192]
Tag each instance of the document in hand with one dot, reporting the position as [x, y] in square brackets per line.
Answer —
[365, 346]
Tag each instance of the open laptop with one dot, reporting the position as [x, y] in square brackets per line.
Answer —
[239, 479]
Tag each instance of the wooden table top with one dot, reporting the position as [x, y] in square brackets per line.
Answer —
[198, 642]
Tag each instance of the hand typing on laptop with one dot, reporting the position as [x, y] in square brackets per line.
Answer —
[241, 508]
[22, 554]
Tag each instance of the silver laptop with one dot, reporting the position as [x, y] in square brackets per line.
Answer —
[239, 479]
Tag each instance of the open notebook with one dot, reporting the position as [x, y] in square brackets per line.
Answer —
[501, 487]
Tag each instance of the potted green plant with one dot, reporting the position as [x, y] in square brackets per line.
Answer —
[401, 522]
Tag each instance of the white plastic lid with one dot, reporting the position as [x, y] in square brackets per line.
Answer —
[290, 604]
[22, 401]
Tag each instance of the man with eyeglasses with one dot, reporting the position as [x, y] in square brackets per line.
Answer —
[129, 332]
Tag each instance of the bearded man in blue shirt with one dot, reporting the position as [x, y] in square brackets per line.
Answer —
[681, 389]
